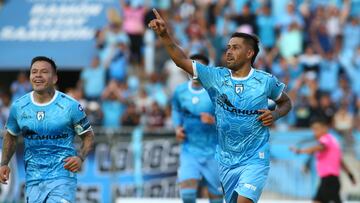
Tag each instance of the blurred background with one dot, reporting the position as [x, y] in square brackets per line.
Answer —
[117, 68]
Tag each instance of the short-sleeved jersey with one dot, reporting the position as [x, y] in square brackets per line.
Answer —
[328, 161]
[242, 137]
[48, 131]
[187, 105]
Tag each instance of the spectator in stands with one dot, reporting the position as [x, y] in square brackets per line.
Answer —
[310, 60]
[289, 18]
[93, 80]
[133, 16]
[155, 118]
[246, 20]
[290, 41]
[329, 72]
[322, 106]
[5, 103]
[112, 105]
[266, 27]
[329, 161]
[131, 116]
[156, 90]
[143, 101]
[20, 86]
[351, 66]
[343, 123]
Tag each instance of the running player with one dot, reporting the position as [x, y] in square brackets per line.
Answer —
[328, 163]
[240, 94]
[193, 117]
[48, 120]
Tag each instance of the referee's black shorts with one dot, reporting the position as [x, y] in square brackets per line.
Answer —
[329, 190]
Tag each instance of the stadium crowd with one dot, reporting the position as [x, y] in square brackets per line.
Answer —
[313, 46]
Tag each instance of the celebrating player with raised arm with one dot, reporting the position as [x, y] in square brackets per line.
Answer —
[240, 94]
[48, 120]
[193, 117]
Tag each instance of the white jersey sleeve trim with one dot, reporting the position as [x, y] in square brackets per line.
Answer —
[12, 133]
[278, 97]
[195, 73]
[87, 130]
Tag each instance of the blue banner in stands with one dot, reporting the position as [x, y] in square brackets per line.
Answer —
[61, 29]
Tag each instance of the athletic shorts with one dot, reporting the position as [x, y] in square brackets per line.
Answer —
[247, 181]
[62, 190]
[192, 167]
[329, 190]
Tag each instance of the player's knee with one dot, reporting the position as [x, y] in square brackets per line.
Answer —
[188, 195]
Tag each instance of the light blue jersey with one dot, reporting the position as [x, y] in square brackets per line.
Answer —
[48, 131]
[242, 138]
[198, 149]
[243, 151]
[187, 105]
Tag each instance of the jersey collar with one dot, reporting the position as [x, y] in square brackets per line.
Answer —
[193, 90]
[242, 78]
[43, 104]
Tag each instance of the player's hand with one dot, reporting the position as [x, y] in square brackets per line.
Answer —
[73, 163]
[4, 174]
[294, 149]
[352, 178]
[180, 134]
[158, 24]
[267, 117]
[207, 118]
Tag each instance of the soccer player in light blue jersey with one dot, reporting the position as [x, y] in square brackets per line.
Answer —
[193, 118]
[48, 120]
[240, 94]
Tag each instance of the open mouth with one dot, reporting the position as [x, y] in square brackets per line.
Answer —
[38, 82]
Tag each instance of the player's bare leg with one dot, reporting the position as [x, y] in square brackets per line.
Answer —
[242, 199]
[215, 198]
[188, 190]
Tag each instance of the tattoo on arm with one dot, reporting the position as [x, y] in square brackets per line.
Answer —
[87, 144]
[8, 148]
[177, 54]
[283, 105]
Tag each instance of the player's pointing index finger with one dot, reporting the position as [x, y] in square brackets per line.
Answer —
[157, 14]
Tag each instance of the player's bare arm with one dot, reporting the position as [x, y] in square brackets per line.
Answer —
[207, 118]
[175, 52]
[8, 150]
[283, 107]
[348, 172]
[180, 134]
[309, 150]
[74, 163]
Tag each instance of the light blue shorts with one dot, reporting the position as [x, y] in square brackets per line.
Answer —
[192, 167]
[62, 190]
[247, 181]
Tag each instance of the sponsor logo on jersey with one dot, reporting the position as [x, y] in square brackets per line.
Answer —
[249, 186]
[195, 100]
[80, 107]
[224, 103]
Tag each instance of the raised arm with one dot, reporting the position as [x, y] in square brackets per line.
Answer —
[176, 53]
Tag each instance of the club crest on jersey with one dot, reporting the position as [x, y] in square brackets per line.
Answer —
[195, 100]
[40, 115]
[239, 88]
